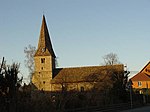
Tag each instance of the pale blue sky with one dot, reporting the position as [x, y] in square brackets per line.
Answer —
[82, 31]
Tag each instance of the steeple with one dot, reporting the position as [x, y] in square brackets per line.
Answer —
[44, 45]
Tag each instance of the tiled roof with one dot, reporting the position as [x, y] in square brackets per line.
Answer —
[44, 45]
[83, 74]
[141, 77]
[145, 67]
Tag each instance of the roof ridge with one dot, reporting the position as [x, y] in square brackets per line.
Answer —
[145, 67]
[89, 66]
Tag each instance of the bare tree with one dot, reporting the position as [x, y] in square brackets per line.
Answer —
[111, 59]
[119, 78]
[29, 61]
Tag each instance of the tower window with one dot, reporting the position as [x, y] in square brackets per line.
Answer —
[42, 60]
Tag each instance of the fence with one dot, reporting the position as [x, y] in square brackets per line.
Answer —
[109, 108]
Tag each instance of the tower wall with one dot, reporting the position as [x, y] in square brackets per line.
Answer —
[43, 72]
[44, 63]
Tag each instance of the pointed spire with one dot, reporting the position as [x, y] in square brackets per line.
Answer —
[44, 45]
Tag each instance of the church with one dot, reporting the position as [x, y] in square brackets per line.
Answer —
[47, 77]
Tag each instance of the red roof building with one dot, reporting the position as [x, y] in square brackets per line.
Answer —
[142, 79]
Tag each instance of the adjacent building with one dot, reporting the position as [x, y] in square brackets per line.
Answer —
[141, 81]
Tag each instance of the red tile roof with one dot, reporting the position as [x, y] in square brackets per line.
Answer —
[141, 77]
[145, 67]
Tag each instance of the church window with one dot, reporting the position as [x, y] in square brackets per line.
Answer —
[42, 60]
[139, 83]
[82, 89]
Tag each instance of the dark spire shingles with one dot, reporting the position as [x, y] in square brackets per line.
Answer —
[44, 45]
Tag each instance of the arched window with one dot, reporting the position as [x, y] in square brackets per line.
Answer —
[82, 89]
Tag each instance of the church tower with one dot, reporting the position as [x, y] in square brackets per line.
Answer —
[44, 60]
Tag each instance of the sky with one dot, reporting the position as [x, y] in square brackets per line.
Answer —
[82, 31]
